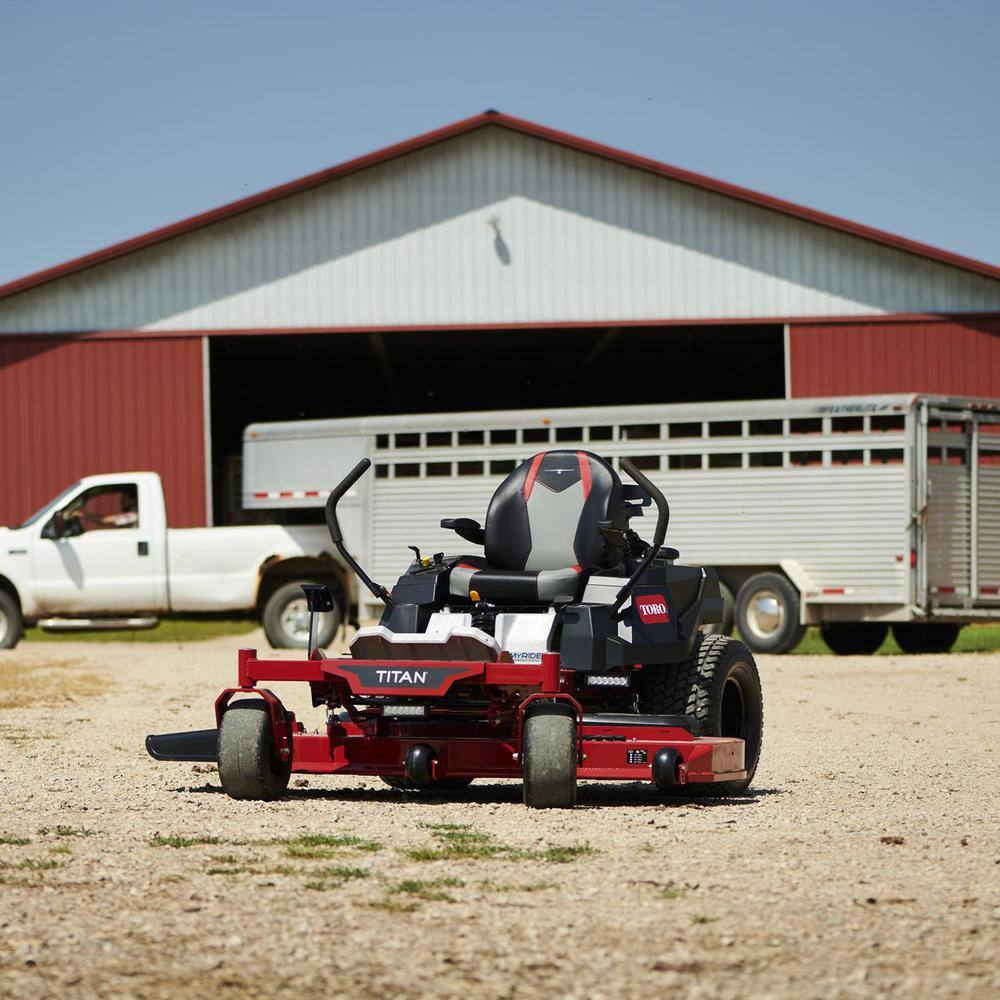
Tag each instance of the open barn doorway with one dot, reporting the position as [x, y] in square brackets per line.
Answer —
[314, 375]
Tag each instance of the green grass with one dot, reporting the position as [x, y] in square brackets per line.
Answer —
[173, 840]
[322, 845]
[65, 831]
[15, 841]
[458, 842]
[168, 630]
[972, 639]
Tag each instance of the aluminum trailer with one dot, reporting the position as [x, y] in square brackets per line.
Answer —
[852, 513]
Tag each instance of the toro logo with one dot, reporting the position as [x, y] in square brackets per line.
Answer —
[653, 608]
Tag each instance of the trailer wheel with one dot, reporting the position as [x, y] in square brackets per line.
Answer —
[767, 614]
[439, 785]
[854, 638]
[925, 637]
[11, 623]
[286, 619]
[725, 627]
[549, 746]
[249, 766]
[720, 688]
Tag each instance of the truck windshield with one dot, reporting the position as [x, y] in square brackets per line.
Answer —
[51, 503]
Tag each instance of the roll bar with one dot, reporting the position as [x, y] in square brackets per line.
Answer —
[662, 520]
[337, 536]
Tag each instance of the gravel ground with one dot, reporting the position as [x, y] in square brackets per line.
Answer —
[865, 863]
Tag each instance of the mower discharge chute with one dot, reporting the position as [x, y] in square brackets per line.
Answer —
[571, 649]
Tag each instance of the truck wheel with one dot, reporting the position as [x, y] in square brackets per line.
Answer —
[286, 619]
[925, 637]
[725, 627]
[249, 767]
[854, 638]
[11, 624]
[549, 746]
[720, 688]
[767, 614]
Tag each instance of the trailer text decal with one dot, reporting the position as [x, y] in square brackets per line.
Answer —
[653, 608]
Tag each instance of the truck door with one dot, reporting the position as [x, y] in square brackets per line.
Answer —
[93, 555]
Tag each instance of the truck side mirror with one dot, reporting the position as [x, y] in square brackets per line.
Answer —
[55, 527]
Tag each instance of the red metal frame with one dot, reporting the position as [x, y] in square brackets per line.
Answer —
[371, 744]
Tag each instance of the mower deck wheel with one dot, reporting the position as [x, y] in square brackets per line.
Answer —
[549, 745]
[249, 766]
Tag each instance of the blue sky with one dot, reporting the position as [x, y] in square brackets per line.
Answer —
[120, 117]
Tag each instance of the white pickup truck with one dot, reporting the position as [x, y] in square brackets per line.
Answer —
[101, 555]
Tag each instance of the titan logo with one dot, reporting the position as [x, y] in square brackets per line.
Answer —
[401, 676]
[653, 608]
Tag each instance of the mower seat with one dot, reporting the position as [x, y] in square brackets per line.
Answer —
[543, 534]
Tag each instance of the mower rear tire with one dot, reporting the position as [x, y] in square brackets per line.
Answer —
[549, 748]
[925, 637]
[404, 784]
[11, 623]
[285, 618]
[767, 614]
[720, 688]
[249, 766]
[854, 638]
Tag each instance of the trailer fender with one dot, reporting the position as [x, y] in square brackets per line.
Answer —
[802, 582]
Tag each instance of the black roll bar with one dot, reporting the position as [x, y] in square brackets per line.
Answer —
[662, 520]
[336, 535]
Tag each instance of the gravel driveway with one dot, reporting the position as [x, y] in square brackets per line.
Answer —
[866, 863]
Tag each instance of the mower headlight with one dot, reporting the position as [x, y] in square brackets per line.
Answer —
[403, 711]
[607, 680]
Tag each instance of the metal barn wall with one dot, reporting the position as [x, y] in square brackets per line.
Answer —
[72, 407]
[496, 227]
[841, 359]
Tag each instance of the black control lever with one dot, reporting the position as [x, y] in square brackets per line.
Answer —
[337, 537]
[662, 520]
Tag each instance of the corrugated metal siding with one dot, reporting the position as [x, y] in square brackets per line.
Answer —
[989, 526]
[71, 407]
[836, 359]
[577, 238]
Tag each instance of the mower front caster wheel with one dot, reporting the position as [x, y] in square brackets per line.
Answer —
[249, 766]
[549, 747]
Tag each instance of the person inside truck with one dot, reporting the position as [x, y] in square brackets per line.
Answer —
[105, 508]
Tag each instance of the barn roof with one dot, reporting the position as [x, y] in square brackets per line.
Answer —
[519, 125]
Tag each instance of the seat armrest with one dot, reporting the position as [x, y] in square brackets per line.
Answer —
[465, 528]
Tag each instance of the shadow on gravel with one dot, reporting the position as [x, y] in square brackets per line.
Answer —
[594, 795]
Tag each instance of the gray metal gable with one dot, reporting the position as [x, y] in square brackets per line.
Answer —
[495, 226]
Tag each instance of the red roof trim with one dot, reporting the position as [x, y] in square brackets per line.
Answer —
[517, 125]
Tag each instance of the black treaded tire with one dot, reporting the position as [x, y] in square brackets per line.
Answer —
[249, 767]
[404, 784]
[11, 623]
[549, 746]
[925, 637]
[719, 687]
[854, 638]
[728, 623]
[753, 625]
[275, 618]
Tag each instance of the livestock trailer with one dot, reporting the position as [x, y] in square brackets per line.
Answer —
[849, 513]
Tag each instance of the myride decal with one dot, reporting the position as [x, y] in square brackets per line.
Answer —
[652, 608]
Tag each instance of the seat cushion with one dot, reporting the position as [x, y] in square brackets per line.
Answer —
[511, 586]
